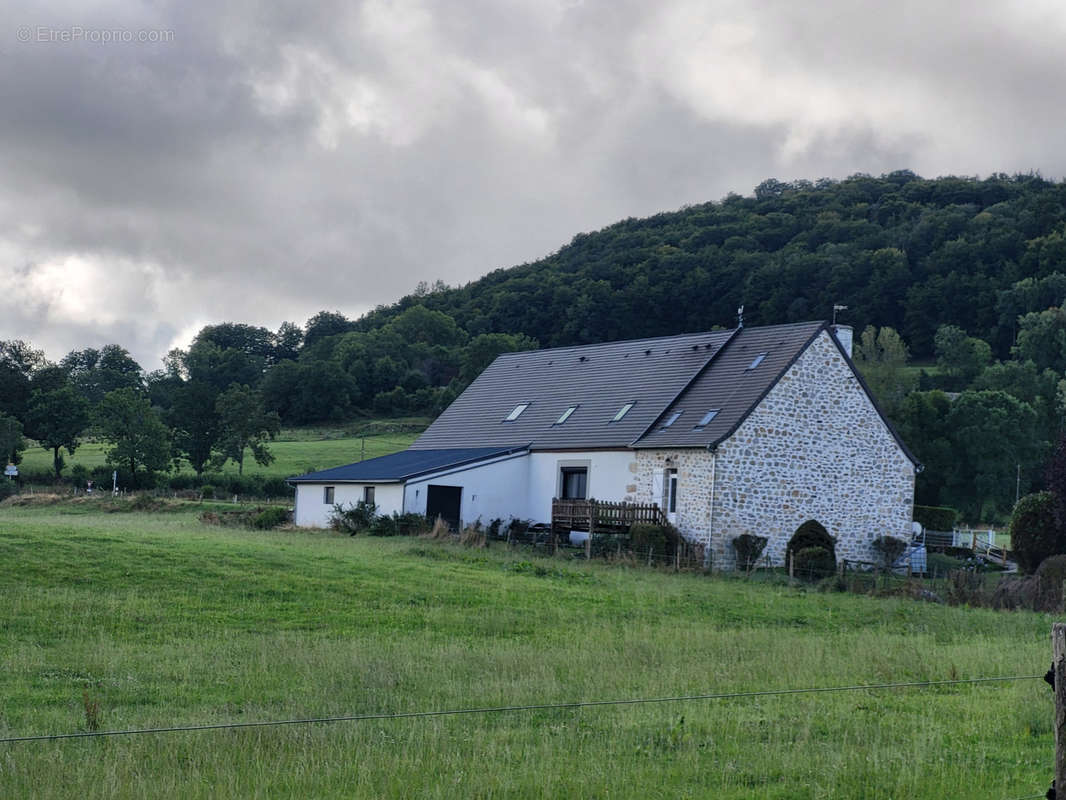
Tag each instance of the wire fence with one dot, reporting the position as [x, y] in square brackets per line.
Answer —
[578, 704]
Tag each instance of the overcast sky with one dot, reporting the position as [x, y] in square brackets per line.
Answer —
[170, 164]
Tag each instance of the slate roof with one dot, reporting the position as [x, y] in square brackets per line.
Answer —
[690, 373]
[599, 379]
[731, 385]
[403, 466]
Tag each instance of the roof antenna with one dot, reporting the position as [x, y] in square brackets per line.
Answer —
[837, 308]
[740, 317]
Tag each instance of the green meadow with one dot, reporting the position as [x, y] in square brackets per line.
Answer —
[129, 620]
[295, 451]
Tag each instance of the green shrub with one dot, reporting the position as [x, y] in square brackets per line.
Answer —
[399, 525]
[936, 518]
[811, 534]
[270, 517]
[207, 491]
[7, 488]
[940, 564]
[888, 550]
[658, 540]
[1034, 533]
[748, 548]
[353, 519]
[814, 563]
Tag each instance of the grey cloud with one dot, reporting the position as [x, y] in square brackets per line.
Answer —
[273, 160]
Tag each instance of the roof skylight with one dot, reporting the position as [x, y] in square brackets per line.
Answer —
[565, 415]
[706, 418]
[516, 412]
[622, 412]
[757, 361]
[672, 419]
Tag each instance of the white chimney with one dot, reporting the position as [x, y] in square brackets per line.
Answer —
[844, 335]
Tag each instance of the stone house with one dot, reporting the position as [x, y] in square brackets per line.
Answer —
[752, 430]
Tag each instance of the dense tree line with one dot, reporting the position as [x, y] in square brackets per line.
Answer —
[966, 274]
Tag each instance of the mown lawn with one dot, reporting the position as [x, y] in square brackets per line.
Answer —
[163, 621]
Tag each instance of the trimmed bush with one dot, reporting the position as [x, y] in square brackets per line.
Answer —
[1034, 533]
[748, 548]
[811, 534]
[936, 518]
[888, 549]
[814, 563]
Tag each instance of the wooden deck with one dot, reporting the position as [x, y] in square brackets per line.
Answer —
[597, 516]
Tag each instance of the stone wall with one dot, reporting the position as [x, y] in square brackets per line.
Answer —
[815, 448]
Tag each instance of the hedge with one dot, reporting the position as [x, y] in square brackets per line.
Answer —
[936, 518]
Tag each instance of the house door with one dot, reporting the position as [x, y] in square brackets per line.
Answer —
[671, 495]
[444, 502]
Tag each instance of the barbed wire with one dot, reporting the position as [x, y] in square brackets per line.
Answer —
[515, 708]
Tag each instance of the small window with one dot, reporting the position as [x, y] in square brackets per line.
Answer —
[565, 415]
[757, 361]
[706, 418]
[574, 483]
[672, 419]
[368, 495]
[516, 412]
[327, 495]
[622, 412]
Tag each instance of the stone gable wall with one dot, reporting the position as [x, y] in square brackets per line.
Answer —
[815, 448]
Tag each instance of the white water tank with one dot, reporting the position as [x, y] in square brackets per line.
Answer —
[844, 335]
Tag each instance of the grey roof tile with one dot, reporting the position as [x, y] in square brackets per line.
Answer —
[599, 379]
[402, 466]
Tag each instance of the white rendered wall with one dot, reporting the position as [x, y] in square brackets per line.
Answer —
[491, 490]
[612, 476]
[312, 512]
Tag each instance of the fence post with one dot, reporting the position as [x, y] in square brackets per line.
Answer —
[1058, 665]
[791, 567]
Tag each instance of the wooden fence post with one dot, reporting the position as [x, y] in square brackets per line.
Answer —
[1058, 665]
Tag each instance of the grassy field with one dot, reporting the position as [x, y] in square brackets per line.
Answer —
[295, 450]
[163, 621]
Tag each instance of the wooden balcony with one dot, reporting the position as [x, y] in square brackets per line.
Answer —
[597, 516]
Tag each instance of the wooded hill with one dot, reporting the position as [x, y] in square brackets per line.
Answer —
[971, 273]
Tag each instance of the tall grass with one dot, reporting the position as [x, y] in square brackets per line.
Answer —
[161, 621]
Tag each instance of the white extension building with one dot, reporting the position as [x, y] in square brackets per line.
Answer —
[754, 430]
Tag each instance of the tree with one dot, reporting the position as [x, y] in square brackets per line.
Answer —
[18, 362]
[992, 433]
[1034, 533]
[96, 372]
[960, 356]
[138, 437]
[244, 424]
[56, 418]
[195, 423]
[11, 442]
[881, 357]
[482, 350]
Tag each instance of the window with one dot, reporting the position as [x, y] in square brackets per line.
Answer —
[672, 419]
[327, 495]
[368, 495]
[565, 415]
[757, 361]
[574, 483]
[706, 418]
[671, 491]
[622, 412]
[516, 412]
